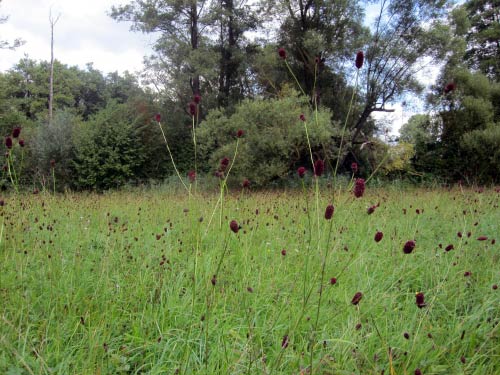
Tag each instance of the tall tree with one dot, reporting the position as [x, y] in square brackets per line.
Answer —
[234, 49]
[320, 35]
[53, 22]
[180, 25]
[406, 37]
[483, 37]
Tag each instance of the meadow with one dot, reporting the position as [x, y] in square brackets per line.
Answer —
[154, 282]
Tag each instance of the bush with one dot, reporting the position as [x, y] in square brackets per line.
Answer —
[274, 143]
[108, 149]
[54, 142]
[482, 152]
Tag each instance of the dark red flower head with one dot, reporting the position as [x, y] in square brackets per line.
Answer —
[234, 226]
[282, 53]
[21, 142]
[359, 187]
[370, 210]
[16, 131]
[418, 372]
[451, 86]
[329, 211]
[302, 117]
[192, 176]
[301, 171]
[482, 238]
[419, 299]
[8, 142]
[223, 164]
[197, 98]
[284, 342]
[240, 133]
[157, 117]
[319, 167]
[357, 297]
[378, 236]
[246, 183]
[52, 163]
[192, 108]
[408, 247]
[360, 57]
[354, 167]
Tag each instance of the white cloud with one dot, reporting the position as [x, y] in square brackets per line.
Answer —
[83, 34]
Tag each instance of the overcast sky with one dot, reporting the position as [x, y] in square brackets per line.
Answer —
[83, 34]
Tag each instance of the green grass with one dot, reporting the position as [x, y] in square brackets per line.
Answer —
[121, 283]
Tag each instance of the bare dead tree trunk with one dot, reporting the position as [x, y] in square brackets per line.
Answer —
[51, 82]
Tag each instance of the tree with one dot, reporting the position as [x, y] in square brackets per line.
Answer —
[108, 149]
[51, 82]
[273, 143]
[180, 25]
[405, 34]
[319, 36]
[483, 37]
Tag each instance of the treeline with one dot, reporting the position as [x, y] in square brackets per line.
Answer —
[211, 80]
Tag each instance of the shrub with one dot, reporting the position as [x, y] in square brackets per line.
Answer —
[108, 149]
[274, 142]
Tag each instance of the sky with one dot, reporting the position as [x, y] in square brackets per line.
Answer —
[85, 33]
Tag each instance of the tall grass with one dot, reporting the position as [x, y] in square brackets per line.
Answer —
[123, 284]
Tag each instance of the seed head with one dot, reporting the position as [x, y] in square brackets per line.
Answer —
[302, 117]
[282, 53]
[240, 133]
[21, 142]
[192, 176]
[354, 167]
[157, 117]
[450, 86]
[197, 98]
[192, 108]
[224, 164]
[357, 297]
[8, 142]
[378, 236]
[16, 131]
[301, 171]
[408, 247]
[359, 187]
[234, 226]
[284, 342]
[360, 57]
[319, 167]
[329, 211]
[420, 300]
[52, 163]
[246, 183]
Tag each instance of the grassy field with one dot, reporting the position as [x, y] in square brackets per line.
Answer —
[151, 283]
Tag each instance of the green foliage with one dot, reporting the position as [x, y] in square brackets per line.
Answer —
[483, 49]
[274, 141]
[54, 142]
[108, 149]
[481, 149]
